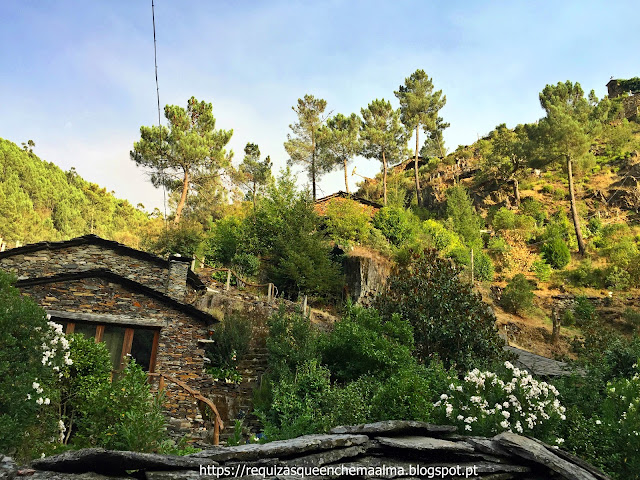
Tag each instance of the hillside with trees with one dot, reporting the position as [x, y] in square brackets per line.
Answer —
[532, 232]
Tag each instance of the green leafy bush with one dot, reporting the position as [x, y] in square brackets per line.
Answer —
[587, 276]
[498, 246]
[556, 253]
[230, 344]
[504, 219]
[245, 264]
[448, 318]
[462, 217]
[483, 269]
[371, 345]
[517, 296]
[347, 221]
[33, 354]
[542, 270]
[531, 207]
[123, 415]
[225, 239]
[395, 223]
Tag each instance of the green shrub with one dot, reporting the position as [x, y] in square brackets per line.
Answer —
[33, 354]
[448, 318]
[632, 317]
[362, 343]
[504, 219]
[347, 221]
[586, 276]
[395, 223]
[517, 296]
[123, 415]
[617, 278]
[462, 217]
[584, 311]
[482, 266]
[547, 189]
[225, 239]
[182, 239]
[230, 344]
[542, 270]
[556, 253]
[498, 245]
[299, 403]
[245, 264]
[531, 207]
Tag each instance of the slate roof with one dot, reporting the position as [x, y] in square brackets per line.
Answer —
[192, 279]
[125, 282]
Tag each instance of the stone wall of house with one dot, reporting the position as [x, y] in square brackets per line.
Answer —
[631, 106]
[48, 262]
[179, 353]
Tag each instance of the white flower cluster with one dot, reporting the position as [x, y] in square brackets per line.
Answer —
[487, 402]
[623, 401]
[57, 343]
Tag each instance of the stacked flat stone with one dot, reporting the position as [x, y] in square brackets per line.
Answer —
[381, 448]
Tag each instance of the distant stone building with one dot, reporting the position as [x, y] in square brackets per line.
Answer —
[133, 301]
[321, 204]
[631, 103]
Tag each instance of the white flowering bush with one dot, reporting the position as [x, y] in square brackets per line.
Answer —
[33, 354]
[619, 425]
[486, 403]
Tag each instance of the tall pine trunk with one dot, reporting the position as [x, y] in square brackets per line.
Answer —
[384, 177]
[313, 165]
[516, 191]
[415, 167]
[183, 196]
[346, 180]
[574, 210]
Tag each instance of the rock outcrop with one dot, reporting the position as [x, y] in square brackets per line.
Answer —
[390, 449]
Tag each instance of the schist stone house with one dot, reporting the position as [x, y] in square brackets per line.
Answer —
[133, 301]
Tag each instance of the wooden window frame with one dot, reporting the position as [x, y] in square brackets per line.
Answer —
[126, 343]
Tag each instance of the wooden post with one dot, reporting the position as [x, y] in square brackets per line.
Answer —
[193, 264]
[555, 318]
[304, 305]
[216, 431]
[2, 246]
[228, 280]
[269, 292]
[472, 266]
[18, 243]
[161, 384]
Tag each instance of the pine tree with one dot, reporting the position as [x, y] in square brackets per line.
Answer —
[302, 147]
[383, 136]
[189, 148]
[419, 107]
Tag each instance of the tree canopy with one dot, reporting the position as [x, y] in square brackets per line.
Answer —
[302, 144]
[340, 141]
[382, 136]
[187, 154]
[419, 107]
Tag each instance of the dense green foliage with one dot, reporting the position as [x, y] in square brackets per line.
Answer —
[448, 318]
[33, 353]
[517, 296]
[230, 343]
[361, 371]
[39, 201]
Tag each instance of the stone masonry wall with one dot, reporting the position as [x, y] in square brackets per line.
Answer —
[179, 353]
[86, 257]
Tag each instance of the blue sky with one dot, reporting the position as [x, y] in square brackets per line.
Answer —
[77, 77]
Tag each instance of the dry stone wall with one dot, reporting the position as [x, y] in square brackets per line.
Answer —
[391, 449]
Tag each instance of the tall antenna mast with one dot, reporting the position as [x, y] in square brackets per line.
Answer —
[155, 61]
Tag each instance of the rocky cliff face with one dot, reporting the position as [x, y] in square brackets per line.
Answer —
[391, 449]
[365, 276]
